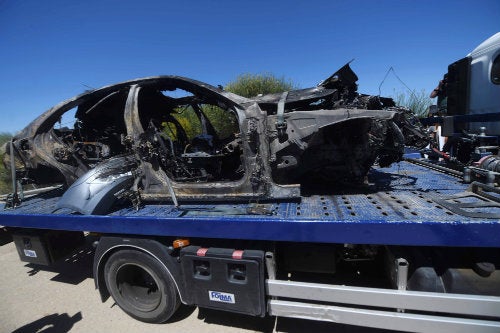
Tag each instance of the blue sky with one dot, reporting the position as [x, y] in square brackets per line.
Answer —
[53, 50]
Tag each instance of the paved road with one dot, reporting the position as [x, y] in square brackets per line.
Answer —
[63, 299]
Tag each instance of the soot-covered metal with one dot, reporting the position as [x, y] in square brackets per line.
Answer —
[173, 138]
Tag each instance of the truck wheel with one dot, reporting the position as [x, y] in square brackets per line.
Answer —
[141, 286]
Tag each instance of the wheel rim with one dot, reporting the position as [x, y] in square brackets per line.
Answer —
[138, 287]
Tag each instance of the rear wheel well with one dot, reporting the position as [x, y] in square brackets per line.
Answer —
[108, 246]
[141, 285]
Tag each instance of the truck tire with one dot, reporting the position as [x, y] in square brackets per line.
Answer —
[141, 286]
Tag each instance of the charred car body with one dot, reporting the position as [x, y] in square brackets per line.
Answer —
[173, 138]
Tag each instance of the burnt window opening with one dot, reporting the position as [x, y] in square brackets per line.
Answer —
[495, 70]
[91, 131]
[195, 139]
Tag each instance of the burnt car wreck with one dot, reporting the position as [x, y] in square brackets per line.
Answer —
[170, 138]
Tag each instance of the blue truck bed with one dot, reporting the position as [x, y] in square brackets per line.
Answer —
[399, 208]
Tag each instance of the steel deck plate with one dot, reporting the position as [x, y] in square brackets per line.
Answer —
[398, 209]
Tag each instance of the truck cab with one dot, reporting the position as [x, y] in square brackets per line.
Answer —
[474, 85]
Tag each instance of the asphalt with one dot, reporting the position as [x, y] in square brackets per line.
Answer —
[62, 298]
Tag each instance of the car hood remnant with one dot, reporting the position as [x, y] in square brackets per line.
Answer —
[172, 138]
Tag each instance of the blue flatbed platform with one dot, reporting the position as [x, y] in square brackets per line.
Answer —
[399, 208]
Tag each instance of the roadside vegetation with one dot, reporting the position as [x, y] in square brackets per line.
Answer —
[251, 85]
[418, 102]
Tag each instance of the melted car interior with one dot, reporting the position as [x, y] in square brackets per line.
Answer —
[193, 138]
[92, 131]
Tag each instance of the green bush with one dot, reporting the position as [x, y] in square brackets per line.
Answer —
[251, 85]
[418, 102]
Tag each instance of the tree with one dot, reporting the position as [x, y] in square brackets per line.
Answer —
[417, 102]
[251, 85]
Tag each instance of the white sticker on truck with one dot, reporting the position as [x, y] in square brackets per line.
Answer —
[218, 296]
[30, 253]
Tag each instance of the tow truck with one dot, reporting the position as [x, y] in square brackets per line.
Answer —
[415, 250]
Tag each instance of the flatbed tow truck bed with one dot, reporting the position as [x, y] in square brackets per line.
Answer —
[406, 204]
[398, 208]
